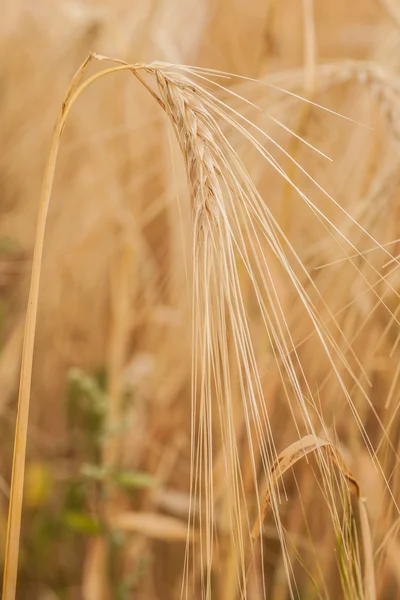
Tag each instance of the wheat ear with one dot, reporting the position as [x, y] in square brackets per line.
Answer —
[232, 225]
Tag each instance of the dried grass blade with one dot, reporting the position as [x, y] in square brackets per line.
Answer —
[287, 459]
[152, 525]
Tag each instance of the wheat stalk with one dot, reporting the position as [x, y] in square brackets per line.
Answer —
[21, 428]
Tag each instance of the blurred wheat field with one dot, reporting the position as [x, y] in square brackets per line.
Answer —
[214, 406]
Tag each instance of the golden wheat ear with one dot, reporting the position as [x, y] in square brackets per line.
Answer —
[231, 223]
[236, 238]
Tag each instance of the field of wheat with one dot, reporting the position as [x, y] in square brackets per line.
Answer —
[199, 299]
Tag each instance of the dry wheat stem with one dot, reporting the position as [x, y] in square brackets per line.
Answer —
[18, 468]
[17, 481]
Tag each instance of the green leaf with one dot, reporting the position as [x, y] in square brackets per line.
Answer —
[94, 472]
[81, 522]
[134, 479]
[82, 384]
[8, 245]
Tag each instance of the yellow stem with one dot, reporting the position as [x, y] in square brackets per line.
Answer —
[21, 428]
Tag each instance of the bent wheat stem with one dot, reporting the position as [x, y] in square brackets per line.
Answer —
[21, 428]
